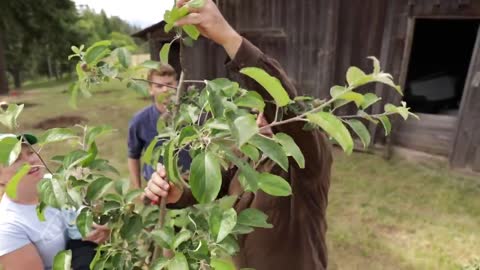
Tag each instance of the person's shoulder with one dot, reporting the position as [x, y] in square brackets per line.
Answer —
[141, 115]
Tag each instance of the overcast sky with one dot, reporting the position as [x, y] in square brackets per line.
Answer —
[138, 12]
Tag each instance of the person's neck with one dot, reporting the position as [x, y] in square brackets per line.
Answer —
[160, 107]
[27, 197]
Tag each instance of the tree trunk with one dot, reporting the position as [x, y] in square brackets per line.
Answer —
[49, 64]
[57, 70]
[3, 69]
[16, 78]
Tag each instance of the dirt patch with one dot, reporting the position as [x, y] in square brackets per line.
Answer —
[60, 121]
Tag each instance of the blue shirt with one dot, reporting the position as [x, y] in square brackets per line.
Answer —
[141, 131]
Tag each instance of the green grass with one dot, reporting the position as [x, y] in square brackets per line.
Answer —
[46, 84]
[382, 214]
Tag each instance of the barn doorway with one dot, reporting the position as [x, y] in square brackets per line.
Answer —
[439, 63]
[438, 56]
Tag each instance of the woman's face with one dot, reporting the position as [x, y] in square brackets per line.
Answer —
[34, 175]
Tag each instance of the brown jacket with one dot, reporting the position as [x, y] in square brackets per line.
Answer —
[297, 240]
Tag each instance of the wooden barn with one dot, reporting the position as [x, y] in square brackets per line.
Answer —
[432, 47]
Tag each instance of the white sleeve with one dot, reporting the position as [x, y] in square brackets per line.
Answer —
[12, 237]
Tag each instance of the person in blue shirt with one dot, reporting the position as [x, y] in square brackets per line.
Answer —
[143, 126]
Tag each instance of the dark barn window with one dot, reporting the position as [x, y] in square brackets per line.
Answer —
[439, 63]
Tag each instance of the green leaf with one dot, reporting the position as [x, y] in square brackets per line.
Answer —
[191, 31]
[10, 148]
[121, 186]
[187, 135]
[205, 177]
[109, 71]
[218, 124]
[9, 117]
[222, 223]
[12, 185]
[56, 135]
[334, 128]
[365, 115]
[97, 51]
[132, 195]
[45, 191]
[62, 260]
[271, 84]
[73, 89]
[95, 132]
[171, 164]
[291, 148]
[150, 64]
[85, 221]
[140, 87]
[160, 264]
[124, 57]
[376, 64]
[252, 100]
[368, 100]
[272, 149]
[386, 78]
[341, 92]
[147, 154]
[187, 41]
[254, 218]
[59, 191]
[179, 262]
[362, 132]
[174, 15]
[386, 124]
[248, 176]
[215, 100]
[337, 91]
[163, 237]
[251, 152]
[355, 76]
[103, 165]
[228, 87]
[75, 158]
[132, 226]
[196, 3]
[164, 53]
[227, 202]
[274, 185]
[244, 128]
[230, 245]
[222, 264]
[40, 209]
[242, 229]
[98, 187]
[181, 237]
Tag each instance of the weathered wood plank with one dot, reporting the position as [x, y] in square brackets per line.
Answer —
[466, 138]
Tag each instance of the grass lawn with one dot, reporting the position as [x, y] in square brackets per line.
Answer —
[382, 214]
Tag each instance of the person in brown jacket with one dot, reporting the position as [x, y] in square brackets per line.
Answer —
[297, 240]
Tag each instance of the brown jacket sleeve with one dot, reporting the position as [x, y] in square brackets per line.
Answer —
[312, 143]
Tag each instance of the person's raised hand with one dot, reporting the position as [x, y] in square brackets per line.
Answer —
[212, 25]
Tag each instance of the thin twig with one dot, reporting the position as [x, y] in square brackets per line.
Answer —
[163, 202]
[276, 113]
[40, 157]
[195, 81]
